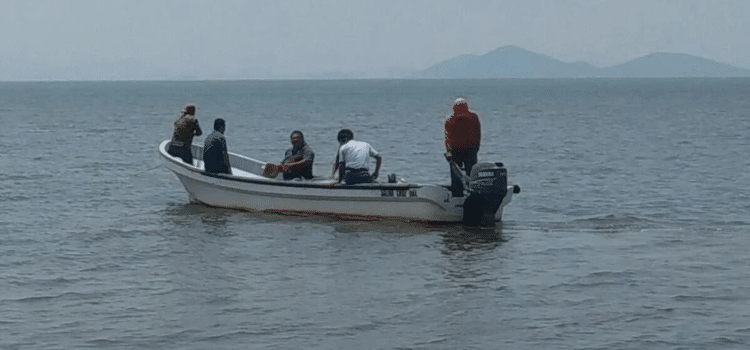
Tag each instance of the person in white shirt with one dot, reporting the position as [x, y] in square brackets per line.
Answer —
[353, 160]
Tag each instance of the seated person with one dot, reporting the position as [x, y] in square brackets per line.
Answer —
[215, 155]
[353, 160]
[298, 160]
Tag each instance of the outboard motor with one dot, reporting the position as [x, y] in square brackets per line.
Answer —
[488, 185]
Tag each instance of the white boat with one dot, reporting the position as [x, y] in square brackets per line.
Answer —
[248, 189]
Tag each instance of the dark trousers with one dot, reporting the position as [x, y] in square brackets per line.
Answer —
[467, 161]
[306, 173]
[357, 176]
[182, 152]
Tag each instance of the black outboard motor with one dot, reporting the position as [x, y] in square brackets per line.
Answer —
[488, 185]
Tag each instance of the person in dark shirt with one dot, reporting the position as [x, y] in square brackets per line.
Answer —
[185, 127]
[298, 160]
[215, 155]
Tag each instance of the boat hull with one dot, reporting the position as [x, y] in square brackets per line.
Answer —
[247, 190]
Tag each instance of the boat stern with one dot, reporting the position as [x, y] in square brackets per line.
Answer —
[488, 194]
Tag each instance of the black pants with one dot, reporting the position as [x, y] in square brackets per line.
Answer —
[357, 176]
[468, 161]
[305, 174]
[182, 152]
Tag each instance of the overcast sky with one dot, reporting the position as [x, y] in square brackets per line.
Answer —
[243, 39]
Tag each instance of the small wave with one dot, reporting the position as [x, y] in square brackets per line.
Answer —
[600, 278]
[613, 218]
[729, 341]
[232, 335]
[54, 281]
[103, 267]
[15, 198]
[165, 291]
[101, 342]
[733, 222]
[694, 298]
[704, 267]
[559, 251]
[30, 176]
[102, 130]
[94, 165]
[613, 223]
[605, 223]
[66, 295]
[357, 328]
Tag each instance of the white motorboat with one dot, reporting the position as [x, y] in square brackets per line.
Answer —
[246, 188]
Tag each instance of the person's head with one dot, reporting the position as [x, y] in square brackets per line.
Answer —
[220, 125]
[297, 138]
[189, 109]
[460, 105]
[345, 135]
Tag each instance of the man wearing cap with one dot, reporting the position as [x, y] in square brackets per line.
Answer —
[215, 155]
[185, 127]
[462, 136]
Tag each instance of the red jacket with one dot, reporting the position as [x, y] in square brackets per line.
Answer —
[462, 133]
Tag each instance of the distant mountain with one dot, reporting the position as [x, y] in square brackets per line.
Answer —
[667, 65]
[515, 62]
[507, 62]
[503, 62]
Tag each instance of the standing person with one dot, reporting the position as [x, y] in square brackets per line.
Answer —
[353, 160]
[215, 155]
[298, 160]
[463, 134]
[185, 127]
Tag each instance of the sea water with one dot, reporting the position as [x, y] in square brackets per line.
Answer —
[631, 230]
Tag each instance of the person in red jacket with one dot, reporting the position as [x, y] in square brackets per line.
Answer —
[463, 134]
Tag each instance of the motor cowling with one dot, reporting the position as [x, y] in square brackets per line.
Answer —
[488, 185]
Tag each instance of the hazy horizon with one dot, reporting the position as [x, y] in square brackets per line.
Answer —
[228, 40]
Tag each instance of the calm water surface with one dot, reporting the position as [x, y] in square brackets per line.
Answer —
[631, 230]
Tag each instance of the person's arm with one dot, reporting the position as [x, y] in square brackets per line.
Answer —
[335, 168]
[448, 138]
[226, 156]
[286, 166]
[342, 167]
[197, 131]
[336, 163]
[378, 161]
[479, 131]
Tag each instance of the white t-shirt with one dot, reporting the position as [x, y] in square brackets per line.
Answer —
[356, 154]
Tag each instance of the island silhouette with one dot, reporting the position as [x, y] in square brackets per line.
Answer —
[504, 62]
[515, 62]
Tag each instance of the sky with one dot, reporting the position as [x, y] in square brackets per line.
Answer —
[228, 39]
